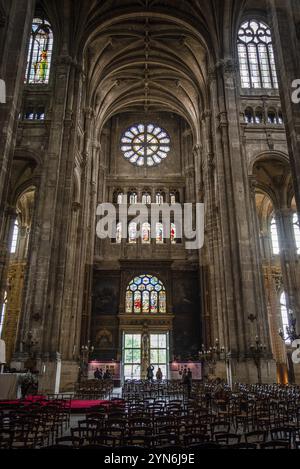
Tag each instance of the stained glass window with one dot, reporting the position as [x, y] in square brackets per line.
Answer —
[297, 231]
[145, 145]
[132, 233]
[159, 233]
[274, 237]
[256, 56]
[14, 242]
[40, 52]
[146, 294]
[137, 302]
[146, 233]
[173, 234]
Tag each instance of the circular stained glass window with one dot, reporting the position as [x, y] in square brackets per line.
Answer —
[145, 145]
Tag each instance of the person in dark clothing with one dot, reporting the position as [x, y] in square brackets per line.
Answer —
[150, 373]
[107, 374]
[159, 375]
[188, 381]
[98, 374]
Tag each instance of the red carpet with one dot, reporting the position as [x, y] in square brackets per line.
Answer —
[79, 406]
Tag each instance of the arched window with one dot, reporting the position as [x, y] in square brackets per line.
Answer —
[2, 313]
[146, 198]
[173, 233]
[274, 237]
[297, 231]
[121, 198]
[259, 116]
[132, 231]
[133, 198]
[272, 117]
[159, 233]
[14, 242]
[119, 233]
[284, 314]
[174, 197]
[249, 116]
[160, 198]
[145, 145]
[146, 295]
[256, 56]
[146, 233]
[40, 52]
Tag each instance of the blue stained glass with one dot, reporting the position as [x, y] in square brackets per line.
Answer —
[142, 294]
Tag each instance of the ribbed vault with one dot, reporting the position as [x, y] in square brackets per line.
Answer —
[147, 64]
[148, 54]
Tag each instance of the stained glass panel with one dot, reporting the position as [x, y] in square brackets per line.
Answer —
[146, 233]
[146, 294]
[137, 302]
[132, 233]
[146, 302]
[154, 302]
[129, 301]
[145, 145]
[173, 233]
[162, 302]
[159, 233]
[40, 52]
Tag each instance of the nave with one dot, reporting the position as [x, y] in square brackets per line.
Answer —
[154, 417]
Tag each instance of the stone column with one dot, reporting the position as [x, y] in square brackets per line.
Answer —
[241, 278]
[15, 27]
[214, 323]
[285, 19]
[47, 307]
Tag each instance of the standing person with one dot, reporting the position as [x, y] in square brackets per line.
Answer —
[150, 373]
[189, 381]
[97, 374]
[159, 375]
[183, 374]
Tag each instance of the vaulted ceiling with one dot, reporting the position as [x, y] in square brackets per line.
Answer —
[147, 54]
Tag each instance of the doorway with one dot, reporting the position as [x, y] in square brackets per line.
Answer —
[138, 354]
